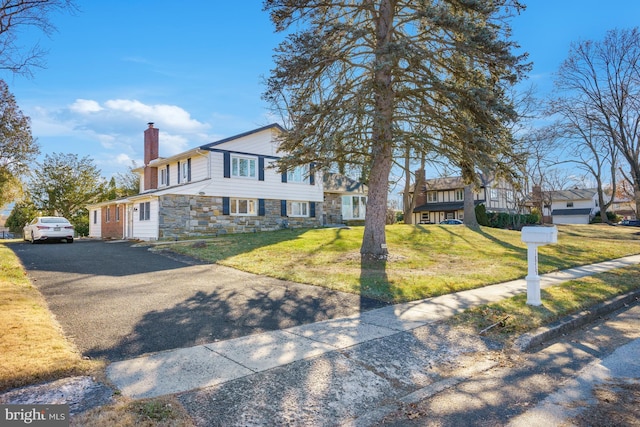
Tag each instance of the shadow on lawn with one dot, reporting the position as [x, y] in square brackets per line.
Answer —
[374, 281]
[561, 259]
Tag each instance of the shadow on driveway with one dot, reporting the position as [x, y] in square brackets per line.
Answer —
[118, 302]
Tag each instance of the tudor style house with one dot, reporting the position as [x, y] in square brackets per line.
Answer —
[443, 198]
[226, 186]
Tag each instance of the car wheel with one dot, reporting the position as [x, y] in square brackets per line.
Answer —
[69, 240]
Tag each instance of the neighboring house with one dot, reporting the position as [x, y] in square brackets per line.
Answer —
[223, 187]
[624, 208]
[574, 206]
[443, 198]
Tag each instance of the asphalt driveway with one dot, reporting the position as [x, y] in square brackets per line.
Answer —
[116, 301]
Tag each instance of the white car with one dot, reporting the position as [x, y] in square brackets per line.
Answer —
[48, 228]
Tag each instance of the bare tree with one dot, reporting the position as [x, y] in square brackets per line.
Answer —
[592, 150]
[603, 79]
[18, 15]
[17, 145]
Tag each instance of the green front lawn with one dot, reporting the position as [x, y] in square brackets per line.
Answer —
[425, 261]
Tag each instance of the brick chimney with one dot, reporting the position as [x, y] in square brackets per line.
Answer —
[151, 152]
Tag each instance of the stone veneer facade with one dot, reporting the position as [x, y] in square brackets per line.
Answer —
[184, 216]
[333, 208]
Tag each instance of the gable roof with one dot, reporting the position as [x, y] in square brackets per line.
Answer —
[336, 183]
[572, 194]
[242, 135]
[450, 183]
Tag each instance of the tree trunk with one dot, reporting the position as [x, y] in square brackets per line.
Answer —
[470, 219]
[601, 203]
[374, 241]
[407, 197]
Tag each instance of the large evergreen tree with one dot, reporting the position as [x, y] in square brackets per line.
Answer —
[359, 80]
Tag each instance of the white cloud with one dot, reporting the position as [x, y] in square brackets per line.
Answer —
[85, 106]
[169, 116]
[112, 132]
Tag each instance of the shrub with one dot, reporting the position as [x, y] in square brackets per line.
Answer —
[481, 215]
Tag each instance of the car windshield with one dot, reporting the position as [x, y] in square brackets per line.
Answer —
[52, 220]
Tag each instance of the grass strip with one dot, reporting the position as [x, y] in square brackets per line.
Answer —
[425, 261]
[514, 317]
[33, 347]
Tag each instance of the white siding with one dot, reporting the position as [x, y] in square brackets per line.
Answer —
[199, 170]
[571, 219]
[271, 188]
[95, 229]
[258, 143]
[146, 229]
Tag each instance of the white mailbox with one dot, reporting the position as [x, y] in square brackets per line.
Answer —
[540, 235]
[534, 237]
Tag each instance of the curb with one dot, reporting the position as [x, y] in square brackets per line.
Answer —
[528, 341]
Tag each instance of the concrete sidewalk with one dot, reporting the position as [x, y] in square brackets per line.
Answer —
[220, 362]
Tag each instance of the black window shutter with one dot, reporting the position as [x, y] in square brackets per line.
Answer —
[226, 201]
[312, 209]
[283, 208]
[189, 170]
[284, 176]
[260, 168]
[168, 180]
[312, 177]
[227, 164]
[261, 210]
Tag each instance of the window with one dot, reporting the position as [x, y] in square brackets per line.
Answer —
[299, 174]
[117, 214]
[242, 207]
[186, 171]
[510, 197]
[354, 207]
[569, 204]
[459, 194]
[432, 196]
[299, 209]
[164, 176]
[144, 210]
[424, 218]
[108, 214]
[494, 194]
[243, 167]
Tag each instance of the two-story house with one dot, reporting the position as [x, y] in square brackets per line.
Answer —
[443, 198]
[228, 186]
[574, 206]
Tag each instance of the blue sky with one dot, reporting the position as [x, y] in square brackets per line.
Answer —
[196, 70]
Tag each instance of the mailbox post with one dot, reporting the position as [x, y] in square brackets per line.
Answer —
[534, 237]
